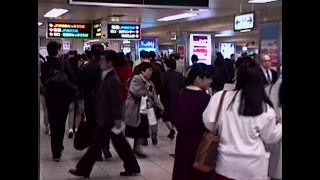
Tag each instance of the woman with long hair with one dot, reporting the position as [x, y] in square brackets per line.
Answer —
[247, 122]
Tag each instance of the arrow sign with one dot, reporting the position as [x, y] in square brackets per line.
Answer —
[244, 21]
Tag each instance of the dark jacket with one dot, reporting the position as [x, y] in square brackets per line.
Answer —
[54, 63]
[173, 83]
[108, 101]
[156, 77]
[274, 76]
[89, 77]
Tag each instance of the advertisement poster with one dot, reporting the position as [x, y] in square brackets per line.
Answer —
[147, 45]
[181, 50]
[270, 47]
[66, 45]
[227, 49]
[200, 45]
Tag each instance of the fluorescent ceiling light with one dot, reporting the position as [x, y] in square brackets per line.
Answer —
[201, 10]
[226, 33]
[55, 12]
[178, 16]
[261, 1]
[246, 30]
[40, 23]
[221, 35]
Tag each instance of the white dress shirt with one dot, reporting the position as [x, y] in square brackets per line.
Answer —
[242, 154]
[105, 72]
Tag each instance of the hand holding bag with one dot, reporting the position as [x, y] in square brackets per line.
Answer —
[208, 149]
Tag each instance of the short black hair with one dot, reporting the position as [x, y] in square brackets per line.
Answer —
[171, 63]
[202, 70]
[194, 58]
[152, 55]
[143, 54]
[122, 59]
[96, 50]
[111, 56]
[53, 48]
[241, 60]
[144, 66]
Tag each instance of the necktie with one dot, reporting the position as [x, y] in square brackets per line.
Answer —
[268, 77]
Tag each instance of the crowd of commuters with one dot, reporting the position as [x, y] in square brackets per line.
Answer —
[107, 96]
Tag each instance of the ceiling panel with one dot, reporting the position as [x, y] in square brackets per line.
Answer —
[218, 18]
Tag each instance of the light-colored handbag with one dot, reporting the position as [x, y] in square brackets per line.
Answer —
[143, 105]
[152, 119]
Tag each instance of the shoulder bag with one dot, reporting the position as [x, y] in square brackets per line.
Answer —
[208, 149]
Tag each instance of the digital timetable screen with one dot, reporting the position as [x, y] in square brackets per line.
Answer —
[97, 30]
[124, 31]
[69, 30]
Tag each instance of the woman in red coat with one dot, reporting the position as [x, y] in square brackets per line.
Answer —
[124, 73]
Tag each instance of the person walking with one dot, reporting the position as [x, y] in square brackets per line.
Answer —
[108, 109]
[58, 95]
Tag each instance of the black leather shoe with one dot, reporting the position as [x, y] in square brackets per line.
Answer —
[75, 172]
[154, 139]
[127, 173]
[107, 154]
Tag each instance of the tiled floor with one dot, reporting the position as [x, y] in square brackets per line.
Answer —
[158, 166]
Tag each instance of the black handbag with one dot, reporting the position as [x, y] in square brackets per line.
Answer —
[59, 79]
[83, 136]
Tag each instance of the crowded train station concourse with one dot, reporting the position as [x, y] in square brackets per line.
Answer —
[160, 89]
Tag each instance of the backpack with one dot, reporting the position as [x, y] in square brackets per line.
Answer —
[58, 79]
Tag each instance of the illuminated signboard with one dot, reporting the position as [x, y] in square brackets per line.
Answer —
[69, 30]
[244, 22]
[145, 3]
[97, 31]
[124, 31]
[147, 44]
[200, 45]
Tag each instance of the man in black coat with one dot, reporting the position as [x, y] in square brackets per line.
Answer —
[269, 75]
[57, 97]
[90, 75]
[108, 115]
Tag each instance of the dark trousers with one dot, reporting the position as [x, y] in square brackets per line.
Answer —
[58, 109]
[120, 144]
[89, 112]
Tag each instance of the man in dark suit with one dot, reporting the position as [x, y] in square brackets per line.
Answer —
[108, 115]
[89, 76]
[269, 75]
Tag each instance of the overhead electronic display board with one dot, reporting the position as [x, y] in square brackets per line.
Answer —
[145, 3]
[69, 30]
[124, 31]
[97, 30]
